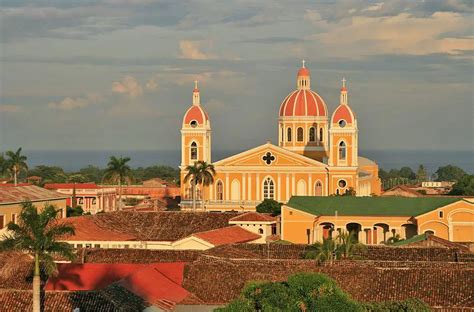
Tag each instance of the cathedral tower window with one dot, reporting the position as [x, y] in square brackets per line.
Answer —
[318, 189]
[268, 189]
[320, 134]
[312, 134]
[342, 150]
[219, 190]
[288, 135]
[299, 134]
[194, 151]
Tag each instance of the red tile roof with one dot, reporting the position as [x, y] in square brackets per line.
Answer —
[87, 230]
[228, 235]
[254, 217]
[10, 194]
[55, 186]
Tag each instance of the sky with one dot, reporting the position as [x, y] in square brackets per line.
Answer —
[118, 74]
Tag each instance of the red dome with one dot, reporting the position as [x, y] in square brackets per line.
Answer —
[303, 72]
[343, 112]
[196, 112]
[303, 103]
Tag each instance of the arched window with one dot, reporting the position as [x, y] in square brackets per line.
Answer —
[219, 190]
[268, 189]
[299, 134]
[288, 135]
[260, 231]
[318, 189]
[194, 151]
[312, 134]
[342, 150]
[320, 134]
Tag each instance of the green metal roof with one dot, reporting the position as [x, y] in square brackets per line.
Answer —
[368, 206]
[414, 239]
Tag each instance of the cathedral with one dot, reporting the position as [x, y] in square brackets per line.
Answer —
[315, 156]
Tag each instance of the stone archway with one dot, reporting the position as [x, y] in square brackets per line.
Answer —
[410, 230]
[355, 228]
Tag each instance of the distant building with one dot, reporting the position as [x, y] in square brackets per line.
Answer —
[308, 220]
[317, 154]
[155, 188]
[91, 197]
[401, 190]
[12, 197]
[437, 184]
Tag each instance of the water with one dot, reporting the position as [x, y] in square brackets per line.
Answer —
[74, 160]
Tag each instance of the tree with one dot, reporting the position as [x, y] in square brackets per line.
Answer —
[74, 212]
[464, 187]
[421, 173]
[37, 234]
[349, 192]
[16, 163]
[394, 239]
[49, 174]
[3, 165]
[92, 174]
[407, 173]
[348, 245]
[118, 171]
[344, 246]
[449, 173]
[199, 173]
[269, 206]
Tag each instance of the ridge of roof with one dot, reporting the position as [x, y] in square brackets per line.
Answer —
[227, 235]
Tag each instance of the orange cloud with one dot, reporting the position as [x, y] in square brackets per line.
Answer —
[128, 85]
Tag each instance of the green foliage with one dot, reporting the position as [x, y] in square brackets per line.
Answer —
[38, 234]
[118, 171]
[49, 174]
[421, 173]
[408, 305]
[269, 206]
[349, 192]
[92, 174]
[166, 173]
[449, 173]
[407, 173]
[310, 292]
[16, 163]
[74, 212]
[464, 187]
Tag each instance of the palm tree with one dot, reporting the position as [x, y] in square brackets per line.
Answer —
[37, 234]
[348, 244]
[324, 251]
[75, 178]
[3, 165]
[199, 173]
[118, 171]
[16, 163]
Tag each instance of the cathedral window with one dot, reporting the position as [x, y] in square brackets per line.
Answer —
[194, 151]
[318, 189]
[299, 134]
[288, 135]
[312, 134]
[194, 123]
[219, 190]
[342, 123]
[342, 183]
[342, 151]
[268, 189]
[320, 134]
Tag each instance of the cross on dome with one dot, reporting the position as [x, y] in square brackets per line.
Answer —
[344, 82]
[195, 84]
[303, 61]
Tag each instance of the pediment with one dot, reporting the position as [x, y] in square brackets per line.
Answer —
[268, 155]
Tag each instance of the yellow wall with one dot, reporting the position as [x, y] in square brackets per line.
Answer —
[454, 222]
[8, 210]
[295, 225]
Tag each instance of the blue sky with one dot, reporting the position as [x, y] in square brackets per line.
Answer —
[118, 74]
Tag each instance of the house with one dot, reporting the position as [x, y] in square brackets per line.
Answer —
[401, 190]
[308, 219]
[12, 197]
[90, 196]
[157, 230]
[263, 224]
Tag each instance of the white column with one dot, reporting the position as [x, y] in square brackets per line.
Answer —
[226, 186]
[244, 189]
[249, 187]
[310, 185]
[293, 184]
[326, 185]
[257, 186]
[279, 187]
[287, 187]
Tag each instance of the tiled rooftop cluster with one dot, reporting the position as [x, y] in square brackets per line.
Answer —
[137, 255]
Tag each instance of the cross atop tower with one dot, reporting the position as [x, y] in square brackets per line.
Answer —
[195, 84]
[344, 82]
[303, 61]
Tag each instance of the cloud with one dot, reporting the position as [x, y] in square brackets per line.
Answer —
[400, 34]
[373, 7]
[191, 50]
[69, 103]
[128, 85]
[8, 108]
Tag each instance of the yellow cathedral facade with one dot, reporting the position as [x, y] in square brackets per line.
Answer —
[317, 155]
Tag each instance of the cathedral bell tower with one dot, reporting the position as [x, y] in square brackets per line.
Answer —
[343, 134]
[195, 133]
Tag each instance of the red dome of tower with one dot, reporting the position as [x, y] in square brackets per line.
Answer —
[197, 113]
[303, 72]
[343, 112]
[303, 103]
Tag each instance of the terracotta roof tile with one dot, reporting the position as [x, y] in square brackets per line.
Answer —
[55, 186]
[255, 217]
[88, 230]
[228, 235]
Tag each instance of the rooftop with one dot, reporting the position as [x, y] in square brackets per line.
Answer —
[254, 217]
[18, 194]
[84, 186]
[228, 235]
[87, 230]
[368, 206]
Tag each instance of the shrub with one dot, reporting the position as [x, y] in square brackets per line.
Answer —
[398, 306]
[269, 206]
